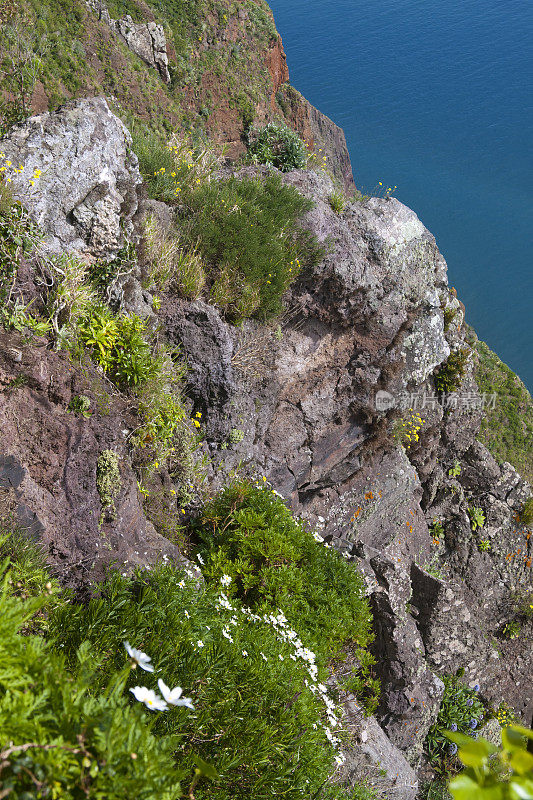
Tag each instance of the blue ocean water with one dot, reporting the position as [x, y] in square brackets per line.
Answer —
[436, 97]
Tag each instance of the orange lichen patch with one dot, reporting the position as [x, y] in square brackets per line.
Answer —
[369, 495]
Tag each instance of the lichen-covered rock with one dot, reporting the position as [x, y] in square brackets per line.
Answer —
[145, 39]
[86, 194]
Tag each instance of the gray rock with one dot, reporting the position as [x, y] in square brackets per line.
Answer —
[86, 195]
[145, 39]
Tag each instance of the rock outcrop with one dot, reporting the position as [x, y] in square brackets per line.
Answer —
[146, 39]
[296, 404]
[86, 194]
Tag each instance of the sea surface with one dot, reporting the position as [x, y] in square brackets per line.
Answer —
[436, 98]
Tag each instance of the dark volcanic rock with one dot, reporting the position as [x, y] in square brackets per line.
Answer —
[48, 460]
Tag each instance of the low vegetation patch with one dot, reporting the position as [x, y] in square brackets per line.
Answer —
[150, 690]
[238, 240]
[449, 376]
[461, 710]
[270, 560]
[507, 426]
[278, 145]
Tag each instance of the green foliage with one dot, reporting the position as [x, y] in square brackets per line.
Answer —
[236, 435]
[69, 733]
[80, 404]
[252, 225]
[263, 744]
[18, 235]
[526, 517]
[436, 529]
[461, 710]
[477, 517]
[449, 315]
[435, 790]
[512, 630]
[455, 471]
[102, 273]
[493, 773]
[17, 317]
[484, 545]
[108, 481]
[276, 144]
[118, 344]
[449, 376]
[337, 201]
[507, 426]
[248, 534]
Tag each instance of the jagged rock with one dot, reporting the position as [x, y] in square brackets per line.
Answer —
[48, 465]
[86, 195]
[145, 39]
[374, 759]
[452, 638]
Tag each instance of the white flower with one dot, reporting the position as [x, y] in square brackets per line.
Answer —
[340, 759]
[200, 559]
[263, 656]
[140, 658]
[173, 696]
[181, 584]
[225, 580]
[186, 614]
[226, 633]
[280, 657]
[317, 537]
[150, 699]
[200, 643]
[245, 653]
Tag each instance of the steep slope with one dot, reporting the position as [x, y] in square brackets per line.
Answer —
[358, 404]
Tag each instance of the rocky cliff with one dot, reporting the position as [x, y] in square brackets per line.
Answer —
[342, 405]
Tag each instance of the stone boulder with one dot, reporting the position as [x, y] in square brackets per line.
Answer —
[86, 194]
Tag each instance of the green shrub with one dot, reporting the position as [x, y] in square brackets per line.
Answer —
[118, 344]
[249, 534]
[263, 743]
[461, 710]
[18, 235]
[252, 225]
[102, 273]
[507, 425]
[276, 144]
[449, 376]
[72, 733]
[337, 201]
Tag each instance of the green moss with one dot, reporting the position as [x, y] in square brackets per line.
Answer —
[108, 481]
[507, 427]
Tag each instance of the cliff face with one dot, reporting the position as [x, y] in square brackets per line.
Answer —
[323, 406]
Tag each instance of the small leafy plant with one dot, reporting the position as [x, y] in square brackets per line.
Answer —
[337, 201]
[526, 517]
[455, 471]
[80, 405]
[477, 517]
